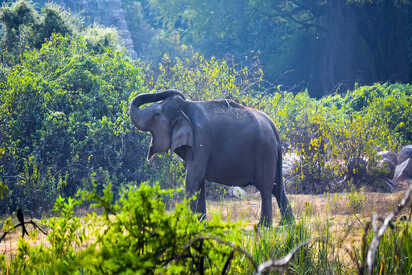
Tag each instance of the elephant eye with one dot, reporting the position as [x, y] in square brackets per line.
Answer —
[156, 116]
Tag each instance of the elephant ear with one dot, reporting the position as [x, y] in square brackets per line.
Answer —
[182, 137]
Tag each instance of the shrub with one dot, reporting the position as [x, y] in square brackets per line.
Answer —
[67, 107]
[137, 235]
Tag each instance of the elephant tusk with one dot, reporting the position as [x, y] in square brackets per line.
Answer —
[227, 102]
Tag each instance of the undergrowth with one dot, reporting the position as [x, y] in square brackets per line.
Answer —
[137, 235]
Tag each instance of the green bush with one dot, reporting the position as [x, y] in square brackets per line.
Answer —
[65, 237]
[25, 28]
[136, 234]
[66, 106]
[77, 87]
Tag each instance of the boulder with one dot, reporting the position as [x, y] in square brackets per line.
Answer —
[405, 153]
[237, 192]
[387, 163]
[289, 163]
[389, 156]
[403, 171]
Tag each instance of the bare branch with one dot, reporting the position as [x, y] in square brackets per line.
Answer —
[21, 224]
[227, 264]
[282, 262]
[379, 231]
[235, 248]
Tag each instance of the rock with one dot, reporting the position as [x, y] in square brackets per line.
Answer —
[405, 153]
[403, 171]
[289, 163]
[251, 189]
[387, 163]
[237, 192]
[390, 156]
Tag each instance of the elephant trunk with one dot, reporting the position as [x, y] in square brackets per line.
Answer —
[147, 98]
[138, 115]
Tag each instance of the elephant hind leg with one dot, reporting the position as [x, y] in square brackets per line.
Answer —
[283, 203]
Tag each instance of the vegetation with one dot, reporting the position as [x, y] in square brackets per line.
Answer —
[64, 127]
[78, 83]
[64, 114]
[323, 46]
[136, 234]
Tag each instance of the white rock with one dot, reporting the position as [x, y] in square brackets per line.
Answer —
[237, 192]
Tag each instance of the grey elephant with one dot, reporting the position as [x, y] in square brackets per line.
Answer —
[219, 141]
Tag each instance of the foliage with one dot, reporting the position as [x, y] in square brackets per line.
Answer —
[137, 235]
[142, 237]
[64, 125]
[78, 87]
[324, 46]
[395, 255]
[386, 242]
[65, 237]
[64, 110]
[26, 28]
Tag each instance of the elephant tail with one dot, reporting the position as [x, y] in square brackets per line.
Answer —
[278, 177]
[279, 191]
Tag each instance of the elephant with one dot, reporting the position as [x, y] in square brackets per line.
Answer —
[218, 140]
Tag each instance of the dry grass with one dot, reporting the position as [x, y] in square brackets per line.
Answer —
[332, 206]
[345, 214]
[318, 211]
[8, 246]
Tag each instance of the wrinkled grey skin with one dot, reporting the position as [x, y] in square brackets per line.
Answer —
[219, 141]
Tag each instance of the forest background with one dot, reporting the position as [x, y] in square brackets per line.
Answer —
[333, 75]
[66, 86]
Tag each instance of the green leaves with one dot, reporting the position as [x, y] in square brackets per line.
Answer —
[141, 236]
[138, 234]
[64, 105]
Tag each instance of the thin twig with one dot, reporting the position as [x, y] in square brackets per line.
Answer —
[379, 231]
[347, 232]
[21, 224]
[227, 264]
[282, 262]
[235, 248]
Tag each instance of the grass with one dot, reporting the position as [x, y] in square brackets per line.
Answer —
[344, 215]
[340, 217]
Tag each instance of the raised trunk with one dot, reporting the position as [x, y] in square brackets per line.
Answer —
[140, 116]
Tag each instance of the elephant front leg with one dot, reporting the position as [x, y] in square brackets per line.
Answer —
[195, 186]
[266, 210]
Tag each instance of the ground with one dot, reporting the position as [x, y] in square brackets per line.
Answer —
[345, 213]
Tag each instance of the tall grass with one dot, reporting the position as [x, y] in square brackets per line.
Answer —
[139, 235]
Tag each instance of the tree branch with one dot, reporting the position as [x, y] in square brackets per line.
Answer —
[21, 224]
[235, 248]
[379, 231]
[284, 261]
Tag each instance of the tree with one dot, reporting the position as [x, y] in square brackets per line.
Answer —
[323, 45]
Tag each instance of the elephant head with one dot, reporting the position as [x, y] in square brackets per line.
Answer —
[166, 120]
